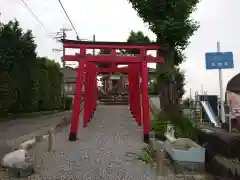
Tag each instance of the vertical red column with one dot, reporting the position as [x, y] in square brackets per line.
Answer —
[134, 95]
[145, 101]
[94, 87]
[86, 95]
[138, 97]
[130, 87]
[78, 97]
[91, 91]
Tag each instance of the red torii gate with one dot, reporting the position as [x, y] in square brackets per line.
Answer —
[137, 65]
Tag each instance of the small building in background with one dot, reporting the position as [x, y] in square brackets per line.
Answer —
[69, 81]
[118, 82]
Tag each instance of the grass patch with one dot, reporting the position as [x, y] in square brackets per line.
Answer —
[147, 155]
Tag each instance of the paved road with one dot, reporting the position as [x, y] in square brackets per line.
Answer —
[22, 126]
[100, 152]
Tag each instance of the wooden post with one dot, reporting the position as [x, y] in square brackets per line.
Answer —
[90, 92]
[51, 139]
[138, 97]
[78, 97]
[87, 94]
[134, 94]
[160, 155]
[130, 88]
[37, 151]
[145, 101]
[95, 91]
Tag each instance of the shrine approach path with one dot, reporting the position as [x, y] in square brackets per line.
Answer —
[103, 150]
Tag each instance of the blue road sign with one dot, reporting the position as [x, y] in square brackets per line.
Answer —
[219, 60]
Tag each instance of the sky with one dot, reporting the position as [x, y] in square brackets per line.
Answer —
[112, 20]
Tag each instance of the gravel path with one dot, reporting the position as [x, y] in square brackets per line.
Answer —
[100, 152]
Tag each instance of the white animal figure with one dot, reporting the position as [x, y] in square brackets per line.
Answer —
[14, 157]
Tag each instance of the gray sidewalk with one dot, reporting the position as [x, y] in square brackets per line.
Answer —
[15, 128]
[100, 152]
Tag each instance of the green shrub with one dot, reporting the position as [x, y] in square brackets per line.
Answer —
[184, 128]
[159, 124]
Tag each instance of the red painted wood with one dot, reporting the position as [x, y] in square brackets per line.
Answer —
[133, 70]
[87, 96]
[95, 92]
[138, 96]
[111, 69]
[97, 46]
[130, 88]
[78, 97]
[135, 62]
[90, 92]
[112, 75]
[145, 101]
[115, 59]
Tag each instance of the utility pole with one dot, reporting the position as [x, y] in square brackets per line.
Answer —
[59, 36]
[62, 34]
[94, 39]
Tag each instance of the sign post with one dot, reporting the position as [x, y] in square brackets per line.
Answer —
[222, 114]
[220, 60]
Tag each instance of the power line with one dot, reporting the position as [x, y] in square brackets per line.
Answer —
[68, 18]
[40, 22]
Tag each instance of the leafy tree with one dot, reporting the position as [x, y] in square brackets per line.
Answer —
[170, 21]
[17, 51]
[25, 79]
[49, 82]
[136, 37]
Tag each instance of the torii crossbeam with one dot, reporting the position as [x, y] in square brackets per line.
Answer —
[137, 66]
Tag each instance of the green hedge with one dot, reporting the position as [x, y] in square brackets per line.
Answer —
[27, 83]
[183, 129]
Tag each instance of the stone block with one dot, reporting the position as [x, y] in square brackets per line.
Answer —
[21, 169]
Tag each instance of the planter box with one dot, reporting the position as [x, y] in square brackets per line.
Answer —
[185, 150]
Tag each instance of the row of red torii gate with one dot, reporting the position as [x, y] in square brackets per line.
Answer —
[87, 71]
